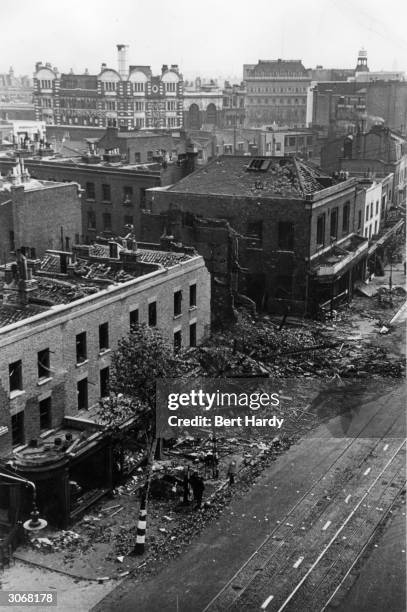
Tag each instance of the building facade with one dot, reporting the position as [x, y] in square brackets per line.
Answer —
[61, 319]
[276, 91]
[113, 190]
[37, 215]
[296, 228]
[129, 97]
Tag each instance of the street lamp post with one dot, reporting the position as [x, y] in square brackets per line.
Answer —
[35, 523]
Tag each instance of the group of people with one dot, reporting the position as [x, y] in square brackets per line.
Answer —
[197, 484]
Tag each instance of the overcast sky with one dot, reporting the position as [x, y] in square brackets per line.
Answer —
[211, 37]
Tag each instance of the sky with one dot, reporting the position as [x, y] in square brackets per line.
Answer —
[209, 38]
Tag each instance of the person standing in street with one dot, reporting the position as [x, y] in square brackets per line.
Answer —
[198, 487]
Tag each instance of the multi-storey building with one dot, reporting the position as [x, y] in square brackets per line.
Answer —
[113, 189]
[276, 91]
[373, 154]
[296, 228]
[61, 318]
[37, 215]
[130, 97]
[15, 89]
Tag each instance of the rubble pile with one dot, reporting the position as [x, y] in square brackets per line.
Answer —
[63, 540]
[175, 535]
[260, 348]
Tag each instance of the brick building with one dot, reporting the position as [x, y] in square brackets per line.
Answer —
[113, 190]
[374, 154]
[61, 318]
[37, 215]
[129, 97]
[276, 91]
[296, 228]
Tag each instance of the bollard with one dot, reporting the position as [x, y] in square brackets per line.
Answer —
[141, 528]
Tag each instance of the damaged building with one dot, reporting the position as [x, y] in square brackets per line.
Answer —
[293, 241]
[61, 317]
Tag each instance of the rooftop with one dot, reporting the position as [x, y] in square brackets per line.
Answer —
[19, 176]
[30, 287]
[255, 177]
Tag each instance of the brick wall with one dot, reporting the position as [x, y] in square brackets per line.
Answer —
[41, 217]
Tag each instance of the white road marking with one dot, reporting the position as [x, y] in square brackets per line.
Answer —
[266, 602]
[326, 525]
[347, 499]
[298, 562]
[346, 521]
[367, 472]
[386, 446]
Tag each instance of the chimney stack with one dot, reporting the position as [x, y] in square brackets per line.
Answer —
[122, 60]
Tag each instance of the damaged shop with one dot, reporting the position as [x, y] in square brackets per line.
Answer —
[71, 469]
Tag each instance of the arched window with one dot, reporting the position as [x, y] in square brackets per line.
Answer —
[194, 117]
[211, 114]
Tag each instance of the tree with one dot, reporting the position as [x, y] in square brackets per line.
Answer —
[140, 359]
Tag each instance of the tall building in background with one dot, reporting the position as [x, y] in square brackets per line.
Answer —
[276, 91]
[129, 97]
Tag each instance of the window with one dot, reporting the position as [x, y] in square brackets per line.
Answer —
[367, 212]
[375, 227]
[171, 87]
[110, 86]
[278, 146]
[291, 141]
[106, 193]
[359, 219]
[82, 392]
[138, 87]
[150, 156]
[254, 229]
[128, 220]
[286, 235]
[321, 230]
[138, 106]
[345, 218]
[17, 428]
[107, 221]
[43, 364]
[177, 341]
[177, 303]
[45, 413]
[171, 105]
[137, 157]
[142, 197]
[127, 195]
[90, 191]
[15, 376]
[334, 224]
[139, 122]
[192, 334]
[91, 219]
[152, 314]
[103, 336]
[104, 382]
[81, 351]
[377, 208]
[192, 296]
[133, 317]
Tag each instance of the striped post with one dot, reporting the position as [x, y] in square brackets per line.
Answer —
[141, 528]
